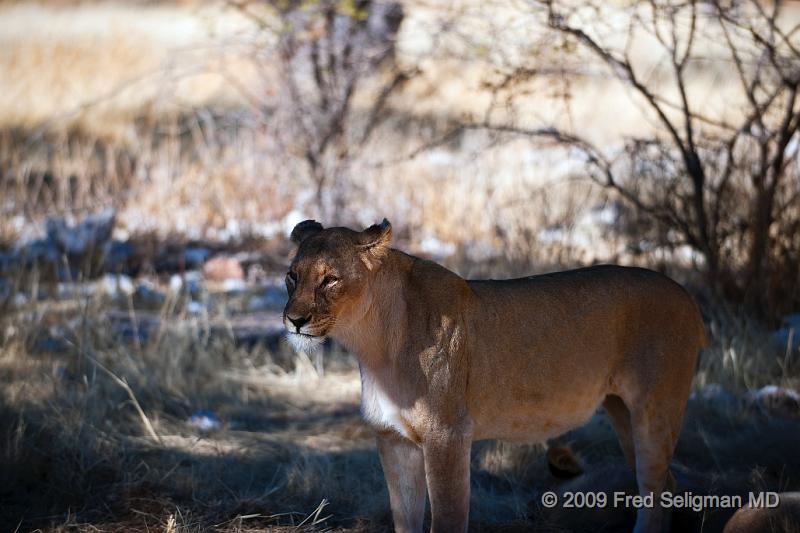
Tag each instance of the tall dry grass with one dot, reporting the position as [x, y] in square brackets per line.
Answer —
[99, 435]
[98, 432]
[169, 121]
[99, 67]
[160, 112]
[744, 355]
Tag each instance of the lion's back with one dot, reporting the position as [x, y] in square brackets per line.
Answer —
[603, 293]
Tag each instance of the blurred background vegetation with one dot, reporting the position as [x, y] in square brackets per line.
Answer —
[154, 157]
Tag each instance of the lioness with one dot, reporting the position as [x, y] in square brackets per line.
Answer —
[445, 361]
[785, 518]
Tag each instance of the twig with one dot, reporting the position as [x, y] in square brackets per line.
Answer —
[124, 384]
[314, 516]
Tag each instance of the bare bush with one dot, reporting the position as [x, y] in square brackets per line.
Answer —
[336, 72]
[725, 185]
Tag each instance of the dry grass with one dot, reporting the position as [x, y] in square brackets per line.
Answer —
[80, 453]
[98, 433]
[79, 456]
[156, 120]
[744, 355]
[98, 67]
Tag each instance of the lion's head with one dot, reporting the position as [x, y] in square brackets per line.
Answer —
[328, 278]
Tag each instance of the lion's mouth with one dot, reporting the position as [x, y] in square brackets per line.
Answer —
[305, 331]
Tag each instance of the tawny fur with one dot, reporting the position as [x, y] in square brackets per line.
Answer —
[446, 361]
[785, 518]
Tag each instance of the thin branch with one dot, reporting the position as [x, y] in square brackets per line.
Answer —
[621, 67]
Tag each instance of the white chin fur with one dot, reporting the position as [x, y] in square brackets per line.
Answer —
[304, 343]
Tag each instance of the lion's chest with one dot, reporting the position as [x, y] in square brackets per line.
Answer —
[380, 410]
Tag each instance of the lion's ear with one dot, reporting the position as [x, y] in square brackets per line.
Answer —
[304, 230]
[374, 243]
[563, 463]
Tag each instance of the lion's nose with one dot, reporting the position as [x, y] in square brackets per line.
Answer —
[300, 321]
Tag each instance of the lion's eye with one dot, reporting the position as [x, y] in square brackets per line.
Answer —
[330, 281]
[291, 281]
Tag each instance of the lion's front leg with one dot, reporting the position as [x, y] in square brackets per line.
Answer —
[404, 470]
[447, 472]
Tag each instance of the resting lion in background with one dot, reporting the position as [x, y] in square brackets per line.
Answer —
[445, 361]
